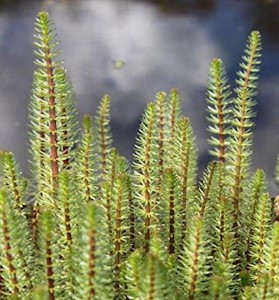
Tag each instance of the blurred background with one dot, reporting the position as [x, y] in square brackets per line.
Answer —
[130, 49]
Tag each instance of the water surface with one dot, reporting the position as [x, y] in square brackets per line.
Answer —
[132, 49]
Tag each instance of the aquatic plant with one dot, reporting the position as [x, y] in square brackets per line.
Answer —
[88, 224]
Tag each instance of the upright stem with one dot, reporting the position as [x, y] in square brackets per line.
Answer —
[49, 270]
[52, 117]
[118, 220]
[171, 220]
[194, 267]
[9, 257]
[221, 124]
[92, 258]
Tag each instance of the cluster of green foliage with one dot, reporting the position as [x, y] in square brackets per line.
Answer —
[87, 224]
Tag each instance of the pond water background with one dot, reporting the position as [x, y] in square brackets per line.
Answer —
[161, 44]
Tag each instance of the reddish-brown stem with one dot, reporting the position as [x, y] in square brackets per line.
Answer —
[132, 220]
[102, 143]
[52, 117]
[67, 220]
[151, 290]
[117, 260]
[34, 221]
[9, 257]
[185, 170]
[147, 195]
[87, 175]
[92, 258]
[161, 142]
[108, 210]
[49, 270]
[276, 208]
[171, 221]
[147, 198]
[173, 117]
[222, 226]
[15, 188]
[222, 200]
[241, 132]
[65, 148]
[237, 177]
[221, 124]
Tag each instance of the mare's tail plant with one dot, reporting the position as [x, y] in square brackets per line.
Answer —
[88, 224]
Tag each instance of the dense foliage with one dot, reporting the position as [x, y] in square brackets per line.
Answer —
[87, 224]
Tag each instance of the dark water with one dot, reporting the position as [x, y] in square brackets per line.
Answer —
[159, 44]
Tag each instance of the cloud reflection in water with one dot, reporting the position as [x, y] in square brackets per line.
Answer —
[156, 51]
[159, 52]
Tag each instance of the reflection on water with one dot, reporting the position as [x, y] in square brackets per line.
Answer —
[186, 6]
[265, 15]
[132, 49]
